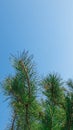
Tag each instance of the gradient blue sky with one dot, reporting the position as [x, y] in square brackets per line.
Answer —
[45, 28]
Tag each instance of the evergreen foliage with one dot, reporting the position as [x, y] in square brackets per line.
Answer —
[53, 112]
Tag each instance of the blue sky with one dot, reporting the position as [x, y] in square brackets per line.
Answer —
[45, 28]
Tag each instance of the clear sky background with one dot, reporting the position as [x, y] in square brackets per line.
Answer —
[45, 28]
